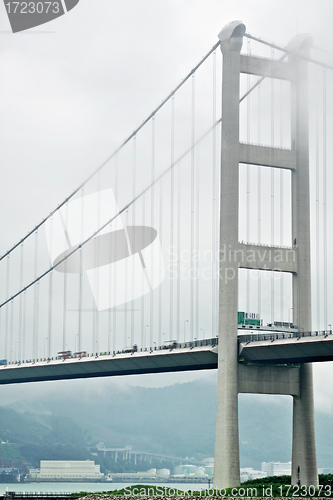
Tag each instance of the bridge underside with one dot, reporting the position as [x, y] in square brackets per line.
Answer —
[279, 351]
[196, 358]
[291, 350]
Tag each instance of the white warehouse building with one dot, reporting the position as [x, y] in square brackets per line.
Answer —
[60, 470]
[276, 468]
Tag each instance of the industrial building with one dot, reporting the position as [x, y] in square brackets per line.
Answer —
[189, 470]
[276, 468]
[247, 474]
[61, 470]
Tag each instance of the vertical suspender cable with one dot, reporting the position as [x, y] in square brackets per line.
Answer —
[125, 343]
[36, 300]
[12, 332]
[152, 209]
[172, 203]
[109, 325]
[192, 208]
[114, 288]
[81, 276]
[64, 313]
[248, 182]
[21, 304]
[281, 243]
[160, 265]
[281, 199]
[214, 210]
[49, 329]
[272, 191]
[197, 274]
[24, 323]
[64, 326]
[143, 326]
[94, 305]
[178, 251]
[64, 316]
[317, 224]
[1, 329]
[79, 334]
[7, 307]
[133, 233]
[50, 314]
[110, 291]
[325, 200]
[97, 256]
[127, 279]
[259, 198]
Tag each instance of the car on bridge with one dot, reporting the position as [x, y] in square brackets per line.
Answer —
[170, 344]
[130, 349]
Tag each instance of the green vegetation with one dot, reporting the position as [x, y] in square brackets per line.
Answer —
[276, 486]
[326, 479]
[9, 452]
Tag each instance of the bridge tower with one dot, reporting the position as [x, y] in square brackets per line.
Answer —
[234, 377]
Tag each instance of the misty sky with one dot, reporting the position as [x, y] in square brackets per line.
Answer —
[72, 90]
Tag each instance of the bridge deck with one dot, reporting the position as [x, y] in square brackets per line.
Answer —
[268, 348]
[159, 361]
[306, 349]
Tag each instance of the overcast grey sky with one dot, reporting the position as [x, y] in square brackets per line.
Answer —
[72, 90]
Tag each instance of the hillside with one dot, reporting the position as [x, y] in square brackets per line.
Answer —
[177, 420]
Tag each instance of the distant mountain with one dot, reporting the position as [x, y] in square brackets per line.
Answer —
[53, 429]
[177, 420]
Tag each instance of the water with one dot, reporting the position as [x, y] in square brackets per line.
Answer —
[90, 487]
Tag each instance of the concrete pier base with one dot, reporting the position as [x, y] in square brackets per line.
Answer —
[304, 457]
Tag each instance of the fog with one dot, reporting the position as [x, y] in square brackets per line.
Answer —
[71, 91]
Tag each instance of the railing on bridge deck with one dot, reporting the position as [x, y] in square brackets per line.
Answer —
[275, 335]
[242, 337]
[175, 345]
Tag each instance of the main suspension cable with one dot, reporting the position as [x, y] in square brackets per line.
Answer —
[133, 134]
[288, 52]
[143, 192]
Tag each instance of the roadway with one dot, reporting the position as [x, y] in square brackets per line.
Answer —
[150, 361]
[273, 349]
[266, 347]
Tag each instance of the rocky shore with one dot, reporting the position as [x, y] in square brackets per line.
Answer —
[100, 496]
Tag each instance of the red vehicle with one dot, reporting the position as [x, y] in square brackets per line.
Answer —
[64, 354]
[80, 354]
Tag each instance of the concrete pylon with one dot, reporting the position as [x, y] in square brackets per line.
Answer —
[233, 377]
[304, 457]
[226, 465]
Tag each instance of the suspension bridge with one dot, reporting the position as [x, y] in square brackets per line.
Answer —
[165, 252]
